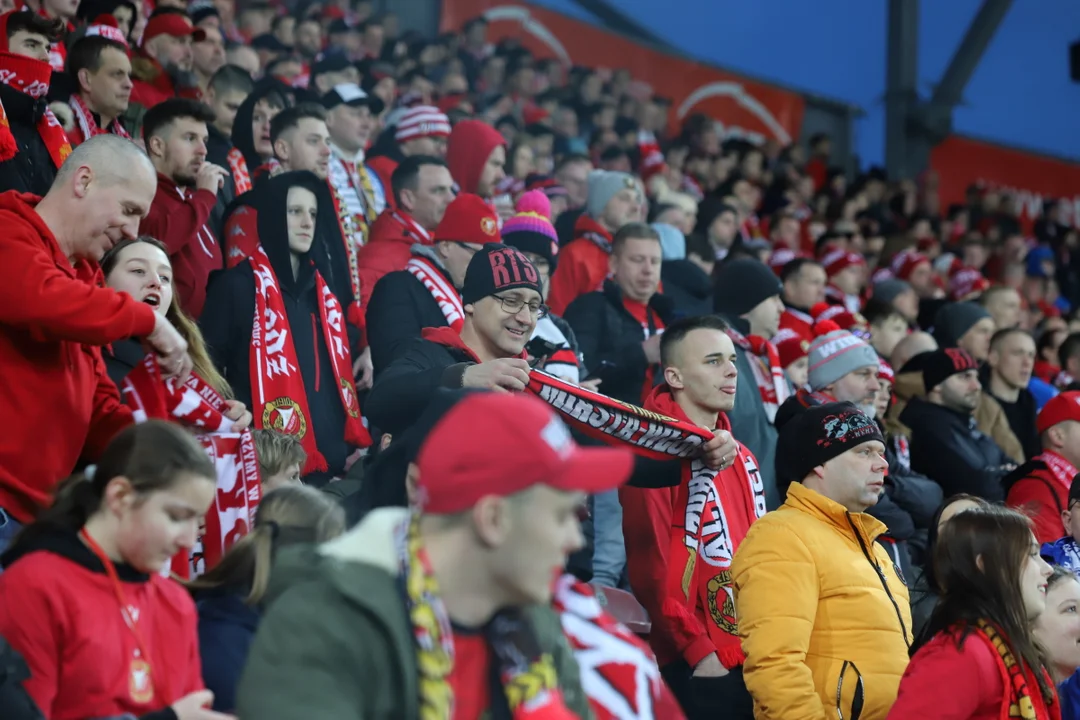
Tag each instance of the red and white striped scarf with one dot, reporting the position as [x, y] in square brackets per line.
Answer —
[279, 399]
[441, 289]
[421, 235]
[199, 407]
[88, 126]
[618, 670]
[768, 374]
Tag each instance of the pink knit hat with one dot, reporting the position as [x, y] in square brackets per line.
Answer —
[530, 230]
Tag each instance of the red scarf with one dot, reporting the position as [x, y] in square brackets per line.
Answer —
[712, 512]
[1023, 699]
[31, 77]
[198, 406]
[618, 670]
[440, 287]
[421, 235]
[647, 433]
[651, 324]
[347, 227]
[1062, 469]
[239, 169]
[767, 371]
[279, 399]
[88, 125]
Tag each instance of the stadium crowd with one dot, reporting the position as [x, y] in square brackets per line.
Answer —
[403, 377]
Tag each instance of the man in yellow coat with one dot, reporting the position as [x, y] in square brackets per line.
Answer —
[823, 611]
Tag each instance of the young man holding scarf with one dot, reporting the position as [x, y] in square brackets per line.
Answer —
[446, 612]
[1041, 486]
[747, 296]
[425, 294]
[33, 144]
[680, 540]
[501, 303]
[101, 72]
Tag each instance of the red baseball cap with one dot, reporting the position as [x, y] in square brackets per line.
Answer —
[502, 444]
[1058, 409]
[173, 24]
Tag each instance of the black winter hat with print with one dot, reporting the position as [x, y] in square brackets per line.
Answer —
[497, 268]
[817, 435]
[940, 365]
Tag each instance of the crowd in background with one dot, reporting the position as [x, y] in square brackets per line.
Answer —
[290, 287]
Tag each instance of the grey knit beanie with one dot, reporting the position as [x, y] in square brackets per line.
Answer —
[953, 320]
[603, 184]
[834, 355]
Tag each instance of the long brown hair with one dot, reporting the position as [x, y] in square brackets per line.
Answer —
[1002, 539]
[290, 515]
[200, 357]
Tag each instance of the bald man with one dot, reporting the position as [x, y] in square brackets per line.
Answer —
[58, 402]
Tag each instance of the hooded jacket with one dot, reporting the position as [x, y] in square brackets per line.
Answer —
[683, 627]
[58, 609]
[471, 144]
[822, 612]
[243, 138]
[1036, 489]
[32, 170]
[583, 264]
[336, 635]
[399, 309]
[54, 384]
[948, 447]
[228, 329]
[180, 218]
[608, 333]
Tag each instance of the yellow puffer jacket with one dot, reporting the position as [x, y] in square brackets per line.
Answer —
[819, 619]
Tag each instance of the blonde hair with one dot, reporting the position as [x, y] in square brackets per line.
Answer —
[289, 515]
[277, 451]
[202, 365]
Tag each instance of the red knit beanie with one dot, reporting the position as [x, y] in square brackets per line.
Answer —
[468, 219]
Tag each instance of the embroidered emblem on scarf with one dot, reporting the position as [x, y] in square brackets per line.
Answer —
[199, 407]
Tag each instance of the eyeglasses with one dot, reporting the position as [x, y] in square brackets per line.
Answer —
[513, 305]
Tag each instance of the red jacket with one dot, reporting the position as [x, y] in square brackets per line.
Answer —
[58, 396]
[683, 626]
[384, 166]
[1042, 493]
[178, 218]
[944, 681]
[387, 250]
[797, 320]
[58, 609]
[583, 264]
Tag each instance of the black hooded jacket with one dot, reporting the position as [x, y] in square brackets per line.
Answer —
[32, 169]
[230, 299]
[242, 136]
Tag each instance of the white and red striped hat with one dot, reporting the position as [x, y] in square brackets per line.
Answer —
[422, 121]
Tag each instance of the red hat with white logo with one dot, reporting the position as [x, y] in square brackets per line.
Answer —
[501, 444]
[1059, 409]
[468, 219]
[420, 122]
[790, 346]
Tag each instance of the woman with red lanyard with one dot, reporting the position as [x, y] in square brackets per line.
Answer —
[82, 597]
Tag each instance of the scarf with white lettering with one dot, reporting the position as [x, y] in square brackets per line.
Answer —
[198, 406]
[440, 287]
[31, 77]
[88, 126]
[647, 433]
[712, 512]
[618, 670]
[239, 170]
[279, 399]
[1063, 470]
[769, 376]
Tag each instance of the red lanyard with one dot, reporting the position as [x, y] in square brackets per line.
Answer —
[118, 589]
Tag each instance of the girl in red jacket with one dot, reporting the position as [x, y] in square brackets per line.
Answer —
[982, 661]
[82, 598]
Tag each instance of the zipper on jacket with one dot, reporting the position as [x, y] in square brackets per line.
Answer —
[881, 577]
[856, 699]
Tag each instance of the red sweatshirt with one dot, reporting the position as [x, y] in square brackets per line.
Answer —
[683, 621]
[583, 264]
[468, 150]
[59, 610]
[59, 400]
[387, 250]
[1042, 493]
[944, 682]
[178, 218]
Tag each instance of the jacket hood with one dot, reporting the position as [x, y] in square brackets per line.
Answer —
[66, 544]
[471, 144]
[585, 224]
[661, 400]
[448, 337]
[243, 137]
[22, 205]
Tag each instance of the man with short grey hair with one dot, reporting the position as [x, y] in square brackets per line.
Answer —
[54, 318]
